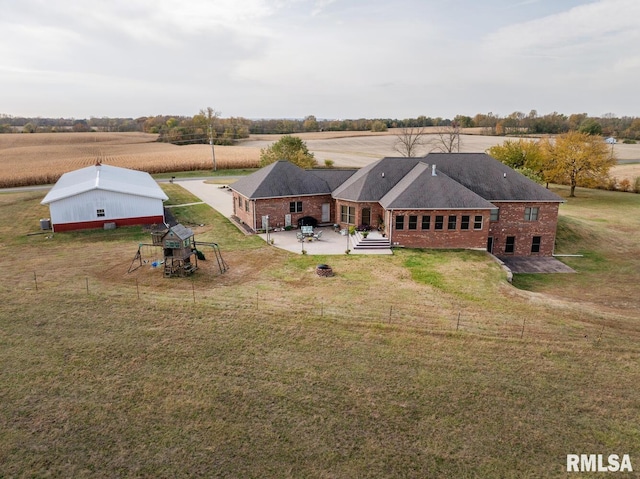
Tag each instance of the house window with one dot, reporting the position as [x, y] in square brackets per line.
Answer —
[510, 245]
[464, 222]
[439, 222]
[477, 222]
[246, 205]
[240, 202]
[100, 212]
[348, 214]
[535, 244]
[452, 222]
[295, 207]
[530, 214]
[400, 222]
[495, 214]
[426, 222]
[413, 222]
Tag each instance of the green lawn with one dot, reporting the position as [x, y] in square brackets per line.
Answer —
[270, 371]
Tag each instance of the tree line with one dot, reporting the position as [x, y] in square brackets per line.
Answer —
[207, 125]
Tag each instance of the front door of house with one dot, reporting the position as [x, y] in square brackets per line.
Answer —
[366, 216]
[326, 212]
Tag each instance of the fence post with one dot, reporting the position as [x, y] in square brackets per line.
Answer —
[35, 280]
[458, 323]
[523, 321]
[87, 282]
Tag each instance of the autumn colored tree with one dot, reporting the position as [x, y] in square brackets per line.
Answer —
[526, 156]
[289, 148]
[577, 159]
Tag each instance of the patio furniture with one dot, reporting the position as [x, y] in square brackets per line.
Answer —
[317, 235]
[307, 230]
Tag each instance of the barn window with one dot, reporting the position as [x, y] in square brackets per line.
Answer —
[477, 222]
[453, 219]
[295, 207]
[413, 222]
[439, 222]
[464, 222]
[426, 222]
[530, 214]
[100, 212]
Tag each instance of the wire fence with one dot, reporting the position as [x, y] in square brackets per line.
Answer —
[231, 301]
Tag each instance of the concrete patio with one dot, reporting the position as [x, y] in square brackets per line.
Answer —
[329, 243]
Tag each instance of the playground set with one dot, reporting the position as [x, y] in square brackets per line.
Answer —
[180, 252]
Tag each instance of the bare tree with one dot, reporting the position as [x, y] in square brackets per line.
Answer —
[211, 116]
[409, 141]
[446, 139]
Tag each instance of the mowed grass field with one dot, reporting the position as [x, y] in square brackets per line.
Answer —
[268, 370]
[28, 159]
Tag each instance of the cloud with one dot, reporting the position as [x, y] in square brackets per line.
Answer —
[583, 27]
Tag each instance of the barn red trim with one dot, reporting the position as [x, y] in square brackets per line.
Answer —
[83, 225]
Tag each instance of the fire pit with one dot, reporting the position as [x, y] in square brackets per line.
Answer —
[324, 270]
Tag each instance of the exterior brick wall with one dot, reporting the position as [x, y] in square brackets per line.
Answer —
[377, 212]
[511, 222]
[444, 238]
[240, 209]
[278, 208]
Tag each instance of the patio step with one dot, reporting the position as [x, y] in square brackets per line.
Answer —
[373, 241]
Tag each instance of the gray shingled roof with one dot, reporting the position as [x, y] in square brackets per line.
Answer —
[334, 177]
[485, 176]
[281, 179]
[419, 189]
[375, 180]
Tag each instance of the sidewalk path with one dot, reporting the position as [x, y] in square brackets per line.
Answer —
[216, 196]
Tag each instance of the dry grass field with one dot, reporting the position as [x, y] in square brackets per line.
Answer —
[268, 370]
[27, 159]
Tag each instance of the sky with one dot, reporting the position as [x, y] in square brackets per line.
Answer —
[334, 59]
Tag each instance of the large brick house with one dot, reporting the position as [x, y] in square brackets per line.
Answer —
[452, 200]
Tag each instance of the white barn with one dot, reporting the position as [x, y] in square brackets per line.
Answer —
[99, 194]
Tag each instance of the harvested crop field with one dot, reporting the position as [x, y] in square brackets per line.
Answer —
[28, 159]
[41, 158]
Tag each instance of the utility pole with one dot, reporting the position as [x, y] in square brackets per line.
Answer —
[213, 153]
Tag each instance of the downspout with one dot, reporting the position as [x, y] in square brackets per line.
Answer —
[389, 223]
[255, 225]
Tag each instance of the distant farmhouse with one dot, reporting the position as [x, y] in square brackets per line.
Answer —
[442, 200]
[97, 195]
